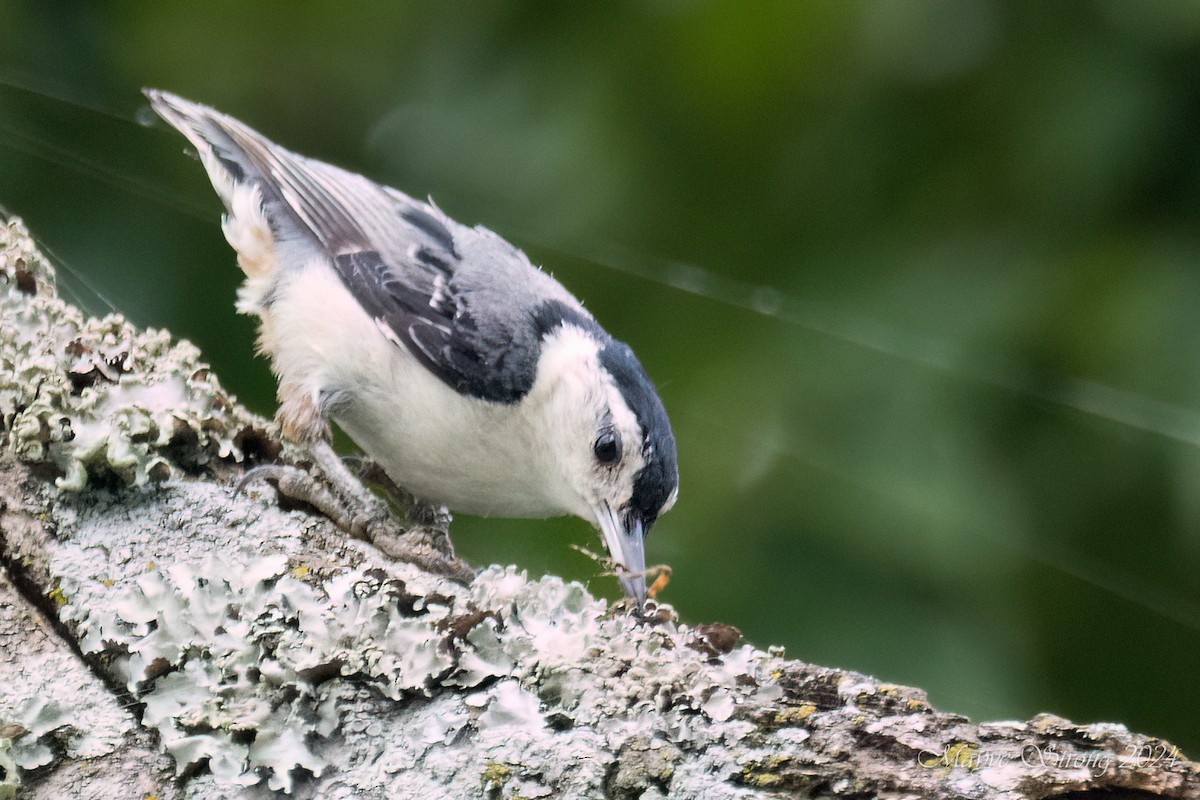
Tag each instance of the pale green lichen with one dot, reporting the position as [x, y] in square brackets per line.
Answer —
[99, 398]
[962, 754]
[261, 675]
[228, 659]
[46, 728]
[39, 718]
[495, 775]
[10, 780]
[358, 678]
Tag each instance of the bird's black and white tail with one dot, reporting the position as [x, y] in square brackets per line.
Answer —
[231, 152]
[282, 208]
[238, 161]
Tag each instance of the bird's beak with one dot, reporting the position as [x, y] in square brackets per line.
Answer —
[624, 542]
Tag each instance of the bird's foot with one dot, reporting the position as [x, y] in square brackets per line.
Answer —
[418, 547]
[425, 538]
[433, 521]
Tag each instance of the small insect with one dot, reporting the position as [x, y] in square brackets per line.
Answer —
[662, 572]
[660, 582]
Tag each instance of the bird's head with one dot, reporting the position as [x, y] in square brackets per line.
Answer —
[613, 443]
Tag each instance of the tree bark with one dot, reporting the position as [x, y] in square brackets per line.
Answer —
[165, 636]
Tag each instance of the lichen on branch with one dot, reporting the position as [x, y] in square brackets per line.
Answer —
[261, 652]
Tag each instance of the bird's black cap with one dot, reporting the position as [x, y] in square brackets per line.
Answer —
[660, 475]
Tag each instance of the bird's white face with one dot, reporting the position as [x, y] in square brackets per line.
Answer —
[603, 450]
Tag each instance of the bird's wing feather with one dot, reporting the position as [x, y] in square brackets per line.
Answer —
[401, 259]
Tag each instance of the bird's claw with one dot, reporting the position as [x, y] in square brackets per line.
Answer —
[426, 551]
[298, 485]
[416, 511]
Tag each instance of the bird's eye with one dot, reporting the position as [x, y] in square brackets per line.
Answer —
[607, 447]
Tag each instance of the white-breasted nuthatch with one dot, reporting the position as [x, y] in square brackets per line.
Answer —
[472, 378]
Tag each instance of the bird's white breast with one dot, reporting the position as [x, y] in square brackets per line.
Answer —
[471, 455]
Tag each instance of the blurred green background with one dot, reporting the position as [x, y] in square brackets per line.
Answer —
[919, 283]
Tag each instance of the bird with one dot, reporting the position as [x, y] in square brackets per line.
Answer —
[473, 379]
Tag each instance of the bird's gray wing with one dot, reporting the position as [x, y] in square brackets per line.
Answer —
[401, 259]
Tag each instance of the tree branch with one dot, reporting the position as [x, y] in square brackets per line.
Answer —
[164, 633]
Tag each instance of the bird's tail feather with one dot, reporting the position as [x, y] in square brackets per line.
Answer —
[302, 197]
[226, 147]
[237, 161]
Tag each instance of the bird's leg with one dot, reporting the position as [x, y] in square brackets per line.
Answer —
[354, 509]
[426, 538]
[339, 497]
[434, 520]
[296, 484]
[351, 505]
[344, 481]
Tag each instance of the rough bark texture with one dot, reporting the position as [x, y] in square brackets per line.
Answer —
[166, 637]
